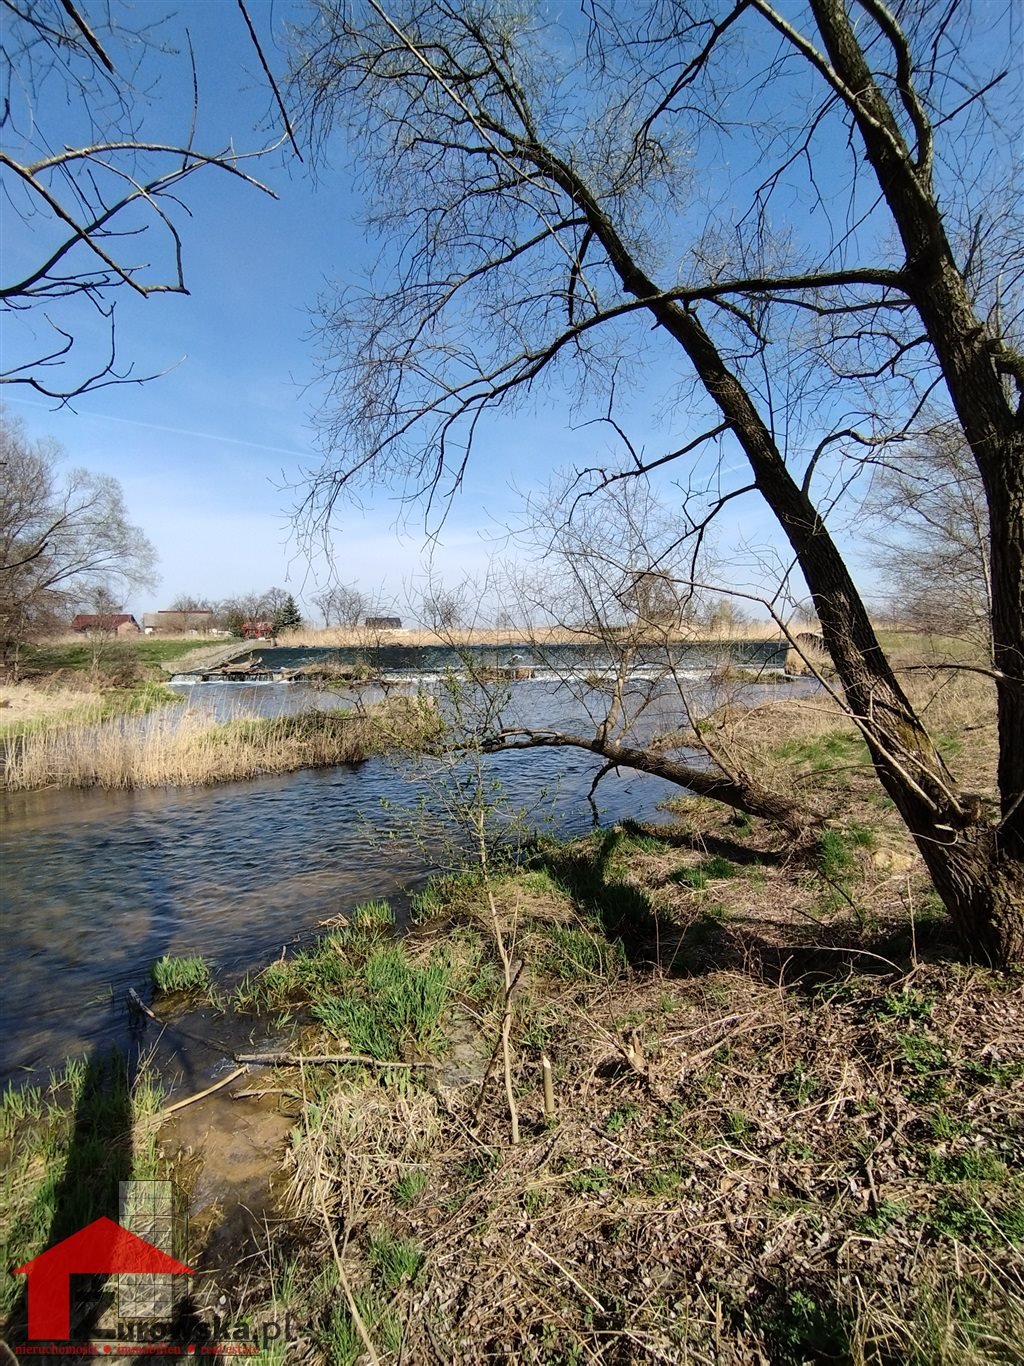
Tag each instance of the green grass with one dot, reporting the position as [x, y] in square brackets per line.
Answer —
[575, 955]
[887, 1213]
[444, 894]
[80, 655]
[833, 856]
[967, 1216]
[970, 1166]
[662, 1182]
[315, 973]
[137, 700]
[409, 1187]
[589, 1181]
[394, 1260]
[180, 974]
[376, 915]
[340, 1339]
[820, 753]
[66, 1148]
[922, 1055]
[906, 1004]
[393, 1004]
[715, 869]
[619, 1118]
[737, 1125]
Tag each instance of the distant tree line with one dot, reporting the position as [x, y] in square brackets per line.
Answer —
[276, 607]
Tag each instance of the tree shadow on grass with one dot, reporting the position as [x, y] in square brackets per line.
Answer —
[588, 873]
[594, 873]
[710, 844]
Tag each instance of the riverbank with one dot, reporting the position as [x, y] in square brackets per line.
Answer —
[785, 1121]
[77, 682]
[30, 710]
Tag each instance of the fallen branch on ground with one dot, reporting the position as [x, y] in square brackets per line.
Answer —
[297, 1060]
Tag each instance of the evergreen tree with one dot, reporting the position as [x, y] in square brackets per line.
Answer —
[287, 617]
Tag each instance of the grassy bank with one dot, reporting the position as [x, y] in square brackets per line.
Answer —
[788, 1121]
[78, 654]
[171, 749]
[78, 683]
[26, 709]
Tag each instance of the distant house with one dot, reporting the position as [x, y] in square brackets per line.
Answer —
[384, 623]
[258, 630]
[106, 623]
[196, 621]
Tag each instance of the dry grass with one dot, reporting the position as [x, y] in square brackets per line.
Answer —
[762, 1153]
[25, 705]
[175, 749]
[507, 635]
[790, 1118]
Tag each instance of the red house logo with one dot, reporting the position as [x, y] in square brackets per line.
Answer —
[103, 1248]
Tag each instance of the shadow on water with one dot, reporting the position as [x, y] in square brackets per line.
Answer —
[99, 1146]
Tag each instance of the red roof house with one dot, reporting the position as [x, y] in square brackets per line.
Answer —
[120, 623]
[102, 1248]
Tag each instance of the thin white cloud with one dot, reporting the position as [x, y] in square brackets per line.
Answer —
[219, 437]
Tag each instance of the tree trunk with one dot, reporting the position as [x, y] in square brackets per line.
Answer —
[982, 887]
[739, 792]
[978, 868]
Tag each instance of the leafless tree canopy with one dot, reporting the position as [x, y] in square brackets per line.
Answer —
[89, 170]
[442, 608]
[810, 216]
[341, 604]
[933, 535]
[65, 539]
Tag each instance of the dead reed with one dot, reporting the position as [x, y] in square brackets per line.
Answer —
[172, 748]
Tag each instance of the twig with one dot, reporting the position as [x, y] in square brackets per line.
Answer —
[350, 1299]
[180, 1104]
[268, 1091]
[549, 1090]
[567, 1274]
[510, 976]
[297, 1060]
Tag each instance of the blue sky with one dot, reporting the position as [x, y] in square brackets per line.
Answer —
[211, 454]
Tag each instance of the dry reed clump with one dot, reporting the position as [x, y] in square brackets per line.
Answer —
[175, 749]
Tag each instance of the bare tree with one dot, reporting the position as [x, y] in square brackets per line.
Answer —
[341, 604]
[65, 539]
[89, 169]
[636, 702]
[931, 509]
[549, 195]
[441, 608]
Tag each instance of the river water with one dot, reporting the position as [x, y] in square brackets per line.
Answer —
[97, 885]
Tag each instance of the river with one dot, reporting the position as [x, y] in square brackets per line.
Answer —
[99, 884]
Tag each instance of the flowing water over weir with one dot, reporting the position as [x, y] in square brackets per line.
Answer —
[99, 884]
